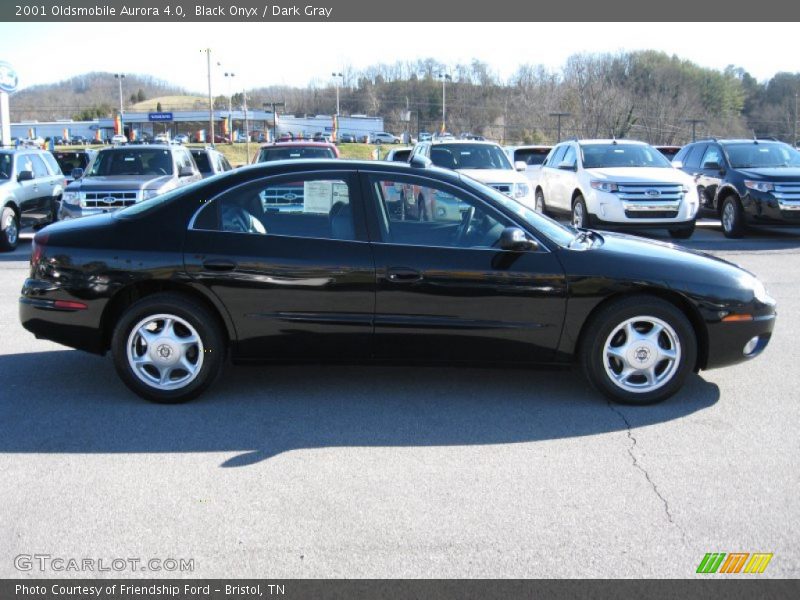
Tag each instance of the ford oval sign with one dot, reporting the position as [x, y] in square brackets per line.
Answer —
[8, 78]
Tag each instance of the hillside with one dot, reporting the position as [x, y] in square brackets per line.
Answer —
[86, 96]
[175, 102]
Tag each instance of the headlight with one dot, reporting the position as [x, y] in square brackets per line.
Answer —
[760, 292]
[604, 186]
[147, 194]
[521, 190]
[73, 198]
[759, 186]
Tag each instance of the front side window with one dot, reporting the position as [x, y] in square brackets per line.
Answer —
[308, 207]
[419, 213]
[39, 170]
[203, 164]
[712, 156]
[694, 156]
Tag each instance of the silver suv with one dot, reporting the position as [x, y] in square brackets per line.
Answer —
[31, 186]
[125, 175]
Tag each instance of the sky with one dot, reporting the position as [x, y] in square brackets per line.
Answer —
[297, 53]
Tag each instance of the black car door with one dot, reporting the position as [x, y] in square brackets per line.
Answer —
[445, 291]
[288, 257]
[712, 170]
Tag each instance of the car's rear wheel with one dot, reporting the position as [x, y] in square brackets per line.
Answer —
[168, 348]
[9, 229]
[683, 233]
[580, 215]
[732, 217]
[638, 350]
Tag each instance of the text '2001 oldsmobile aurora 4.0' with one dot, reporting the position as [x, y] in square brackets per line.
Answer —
[305, 261]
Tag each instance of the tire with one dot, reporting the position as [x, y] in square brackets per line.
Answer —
[189, 318]
[580, 213]
[732, 217]
[683, 233]
[540, 205]
[9, 230]
[606, 351]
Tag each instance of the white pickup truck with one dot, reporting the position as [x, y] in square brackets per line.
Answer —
[617, 183]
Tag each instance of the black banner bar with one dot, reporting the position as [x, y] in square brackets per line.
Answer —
[396, 589]
[446, 11]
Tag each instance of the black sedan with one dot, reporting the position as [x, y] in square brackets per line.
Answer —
[303, 260]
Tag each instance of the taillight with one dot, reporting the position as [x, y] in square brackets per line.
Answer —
[37, 247]
[69, 305]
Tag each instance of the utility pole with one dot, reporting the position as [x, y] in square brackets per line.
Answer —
[210, 99]
[794, 129]
[558, 115]
[336, 78]
[274, 105]
[444, 77]
[694, 123]
[246, 128]
[119, 77]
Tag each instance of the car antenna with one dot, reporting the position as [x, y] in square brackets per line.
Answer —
[613, 138]
[755, 139]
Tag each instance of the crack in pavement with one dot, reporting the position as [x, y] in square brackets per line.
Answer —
[638, 466]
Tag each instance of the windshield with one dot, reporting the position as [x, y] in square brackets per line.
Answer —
[598, 156]
[291, 152]
[132, 162]
[762, 155]
[531, 156]
[71, 160]
[6, 165]
[469, 156]
[556, 232]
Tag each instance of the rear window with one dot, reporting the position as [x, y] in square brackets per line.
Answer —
[289, 153]
[401, 155]
[531, 156]
[203, 164]
[71, 160]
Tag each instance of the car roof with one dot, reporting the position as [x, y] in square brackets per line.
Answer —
[436, 142]
[338, 164]
[138, 147]
[740, 141]
[610, 141]
[297, 143]
[530, 147]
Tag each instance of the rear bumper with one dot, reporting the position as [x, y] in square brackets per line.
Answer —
[74, 328]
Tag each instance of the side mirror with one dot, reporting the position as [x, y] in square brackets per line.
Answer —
[185, 171]
[568, 166]
[712, 166]
[516, 240]
[678, 164]
[521, 165]
[77, 173]
[25, 176]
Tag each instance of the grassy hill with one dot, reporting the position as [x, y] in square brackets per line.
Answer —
[175, 102]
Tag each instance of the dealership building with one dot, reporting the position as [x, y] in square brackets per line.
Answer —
[192, 122]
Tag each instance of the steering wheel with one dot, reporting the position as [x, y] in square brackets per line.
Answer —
[466, 224]
[237, 219]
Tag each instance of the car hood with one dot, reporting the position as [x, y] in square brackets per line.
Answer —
[494, 175]
[694, 273]
[119, 182]
[640, 174]
[772, 174]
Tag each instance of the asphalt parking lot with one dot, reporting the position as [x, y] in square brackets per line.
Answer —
[330, 471]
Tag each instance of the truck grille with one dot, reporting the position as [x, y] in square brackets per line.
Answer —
[787, 191]
[651, 214]
[109, 199]
[650, 192]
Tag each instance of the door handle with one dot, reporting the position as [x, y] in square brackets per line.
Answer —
[403, 275]
[218, 264]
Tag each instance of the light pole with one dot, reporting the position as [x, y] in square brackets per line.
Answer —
[210, 100]
[119, 77]
[694, 123]
[274, 106]
[559, 115]
[444, 77]
[230, 103]
[794, 129]
[336, 78]
[246, 128]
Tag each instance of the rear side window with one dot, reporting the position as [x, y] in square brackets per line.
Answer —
[556, 156]
[681, 154]
[201, 158]
[531, 156]
[39, 170]
[54, 167]
[310, 206]
[71, 160]
[694, 155]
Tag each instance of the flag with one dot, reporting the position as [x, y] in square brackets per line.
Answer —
[65, 134]
[117, 125]
[224, 127]
[335, 132]
[133, 135]
[98, 136]
[442, 130]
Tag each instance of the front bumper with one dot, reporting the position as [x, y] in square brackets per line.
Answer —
[76, 211]
[766, 209]
[727, 340]
[608, 207]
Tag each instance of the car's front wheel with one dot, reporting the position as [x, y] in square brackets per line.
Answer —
[638, 350]
[540, 206]
[683, 233]
[168, 348]
[732, 217]
[580, 215]
[9, 229]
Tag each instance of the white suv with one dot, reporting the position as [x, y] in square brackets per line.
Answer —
[617, 183]
[484, 161]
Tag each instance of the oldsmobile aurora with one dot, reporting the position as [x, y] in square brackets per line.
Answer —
[303, 261]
